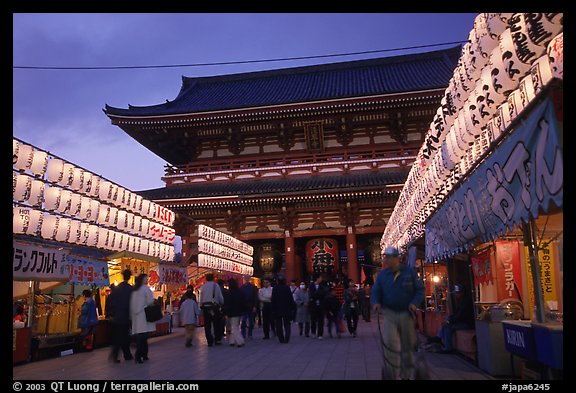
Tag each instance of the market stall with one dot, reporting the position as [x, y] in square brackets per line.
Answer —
[66, 222]
[488, 186]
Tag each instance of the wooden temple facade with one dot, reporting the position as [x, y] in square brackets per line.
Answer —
[299, 162]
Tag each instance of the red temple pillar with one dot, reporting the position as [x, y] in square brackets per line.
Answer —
[352, 252]
[289, 252]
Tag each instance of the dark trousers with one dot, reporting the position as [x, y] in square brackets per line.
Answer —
[283, 329]
[352, 320]
[212, 323]
[120, 338]
[366, 309]
[304, 327]
[141, 346]
[248, 319]
[317, 321]
[267, 322]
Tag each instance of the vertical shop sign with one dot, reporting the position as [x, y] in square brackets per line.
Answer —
[547, 258]
[508, 270]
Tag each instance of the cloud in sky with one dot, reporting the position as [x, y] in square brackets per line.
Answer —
[61, 111]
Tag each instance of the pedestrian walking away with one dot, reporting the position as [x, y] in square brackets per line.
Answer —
[265, 297]
[234, 308]
[249, 315]
[211, 303]
[189, 315]
[283, 309]
[397, 293]
[118, 314]
[88, 320]
[141, 297]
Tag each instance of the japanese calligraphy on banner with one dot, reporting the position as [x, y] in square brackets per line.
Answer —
[508, 270]
[213, 262]
[322, 255]
[481, 267]
[211, 234]
[523, 174]
[87, 271]
[35, 263]
[169, 274]
[547, 258]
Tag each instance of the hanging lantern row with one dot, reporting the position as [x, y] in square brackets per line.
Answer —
[52, 198]
[27, 159]
[209, 247]
[496, 77]
[212, 262]
[33, 222]
[212, 235]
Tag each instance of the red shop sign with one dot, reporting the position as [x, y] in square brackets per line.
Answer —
[508, 270]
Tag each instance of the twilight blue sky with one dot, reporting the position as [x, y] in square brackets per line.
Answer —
[61, 111]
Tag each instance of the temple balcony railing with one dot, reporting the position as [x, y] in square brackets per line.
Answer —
[275, 166]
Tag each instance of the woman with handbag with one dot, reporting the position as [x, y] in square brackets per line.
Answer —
[140, 299]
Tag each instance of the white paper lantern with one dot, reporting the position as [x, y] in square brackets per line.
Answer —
[75, 204]
[144, 245]
[484, 41]
[137, 244]
[39, 163]
[102, 238]
[113, 221]
[541, 73]
[20, 219]
[540, 28]
[136, 203]
[93, 232]
[84, 233]
[55, 170]
[465, 128]
[129, 200]
[145, 207]
[555, 53]
[526, 90]
[95, 189]
[516, 57]
[145, 227]
[94, 210]
[63, 232]
[137, 225]
[75, 232]
[514, 105]
[115, 195]
[68, 175]
[496, 23]
[86, 182]
[15, 149]
[492, 98]
[85, 207]
[501, 82]
[21, 192]
[105, 191]
[65, 202]
[122, 219]
[448, 108]
[77, 179]
[471, 61]
[26, 221]
[49, 226]
[52, 197]
[121, 201]
[36, 193]
[24, 157]
[104, 214]
[130, 222]
[112, 236]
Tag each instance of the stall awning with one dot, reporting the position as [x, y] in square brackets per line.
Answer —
[523, 175]
[133, 255]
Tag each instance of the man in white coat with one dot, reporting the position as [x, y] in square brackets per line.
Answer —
[141, 297]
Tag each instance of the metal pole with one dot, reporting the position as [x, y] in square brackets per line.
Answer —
[531, 240]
